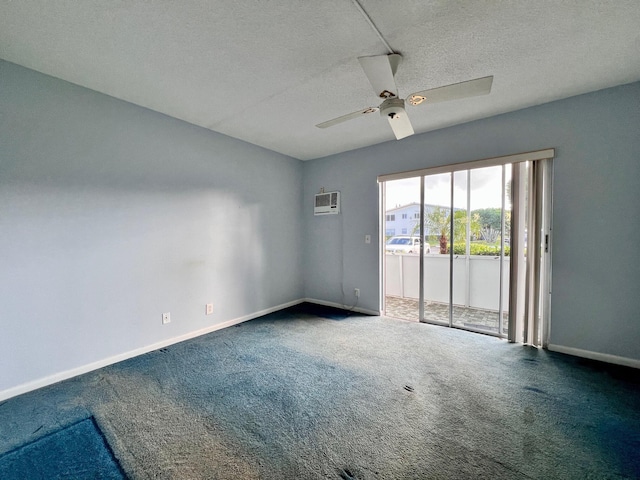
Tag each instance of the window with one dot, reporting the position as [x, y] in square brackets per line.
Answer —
[390, 232]
[391, 218]
[404, 217]
[404, 231]
[416, 215]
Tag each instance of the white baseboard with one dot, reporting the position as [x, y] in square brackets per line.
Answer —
[74, 372]
[602, 357]
[343, 307]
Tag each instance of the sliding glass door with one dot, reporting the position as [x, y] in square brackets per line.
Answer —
[436, 264]
[466, 221]
[480, 250]
[402, 247]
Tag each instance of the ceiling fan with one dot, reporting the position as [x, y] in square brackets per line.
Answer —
[380, 71]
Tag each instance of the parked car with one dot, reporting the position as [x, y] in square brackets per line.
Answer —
[405, 244]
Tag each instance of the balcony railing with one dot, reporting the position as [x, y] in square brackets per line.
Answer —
[476, 289]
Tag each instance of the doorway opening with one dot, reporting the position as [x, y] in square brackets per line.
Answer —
[456, 246]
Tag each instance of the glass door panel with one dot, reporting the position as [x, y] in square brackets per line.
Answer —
[402, 248]
[484, 262]
[460, 258]
[437, 233]
[505, 244]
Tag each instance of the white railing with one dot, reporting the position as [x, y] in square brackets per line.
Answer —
[476, 279]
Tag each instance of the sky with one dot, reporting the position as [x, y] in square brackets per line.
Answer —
[486, 189]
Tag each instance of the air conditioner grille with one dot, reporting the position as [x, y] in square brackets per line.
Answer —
[327, 203]
[323, 200]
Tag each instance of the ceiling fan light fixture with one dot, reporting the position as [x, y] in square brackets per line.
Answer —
[392, 107]
[416, 99]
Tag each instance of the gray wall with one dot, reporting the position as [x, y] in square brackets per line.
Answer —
[111, 214]
[596, 260]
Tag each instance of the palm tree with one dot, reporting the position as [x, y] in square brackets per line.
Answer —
[439, 220]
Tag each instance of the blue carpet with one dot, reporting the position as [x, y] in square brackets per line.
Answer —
[78, 451]
[295, 396]
[323, 311]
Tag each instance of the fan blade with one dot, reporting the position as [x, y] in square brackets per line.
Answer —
[470, 88]
[349, 116]
[401, 125]
[380, 71]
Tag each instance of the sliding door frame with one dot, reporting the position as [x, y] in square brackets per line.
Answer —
[541, 176]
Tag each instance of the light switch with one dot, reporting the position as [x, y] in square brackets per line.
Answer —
[367, 239]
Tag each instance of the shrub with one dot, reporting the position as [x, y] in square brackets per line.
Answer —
[459, 248]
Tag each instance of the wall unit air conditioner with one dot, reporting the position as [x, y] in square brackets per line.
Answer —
[327, 203]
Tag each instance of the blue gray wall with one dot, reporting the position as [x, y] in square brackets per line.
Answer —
[596, 254]
[111, 214]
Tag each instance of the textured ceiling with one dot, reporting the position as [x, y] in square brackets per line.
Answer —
[268, 71]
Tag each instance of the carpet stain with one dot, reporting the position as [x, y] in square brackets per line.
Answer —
[535, 390]
[346, 474]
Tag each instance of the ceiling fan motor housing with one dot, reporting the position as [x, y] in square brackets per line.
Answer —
[392, 108]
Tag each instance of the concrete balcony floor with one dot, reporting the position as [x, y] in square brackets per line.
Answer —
[464, 317]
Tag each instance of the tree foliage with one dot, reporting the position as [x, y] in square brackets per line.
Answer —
[438, 220]
[491, 223]
[484, 224]
[490, 218]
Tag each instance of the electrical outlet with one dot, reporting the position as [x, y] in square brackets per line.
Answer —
[356, 292]
[166, 318]
[208, 309]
